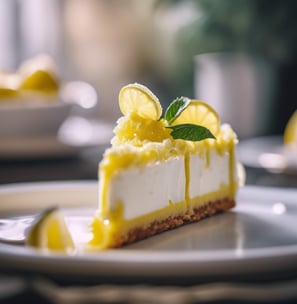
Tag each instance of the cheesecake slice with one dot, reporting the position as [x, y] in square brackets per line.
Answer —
[162, 172]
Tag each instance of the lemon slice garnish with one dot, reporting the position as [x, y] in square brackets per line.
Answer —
[49, 232]
[290, 133]
[200, 113]
[139, 99]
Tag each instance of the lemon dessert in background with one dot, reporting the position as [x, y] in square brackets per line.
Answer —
[163, 170]
[36, 78]
[39, 75]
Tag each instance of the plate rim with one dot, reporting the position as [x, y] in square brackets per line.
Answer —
[286, 166]
[149, 260]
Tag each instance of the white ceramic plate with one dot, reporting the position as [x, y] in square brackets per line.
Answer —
[269, 153]
[258, 237]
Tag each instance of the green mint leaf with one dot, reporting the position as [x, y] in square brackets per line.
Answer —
[176, 108]
[190, 132]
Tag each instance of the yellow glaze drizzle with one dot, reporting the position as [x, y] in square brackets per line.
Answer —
[187, 177]
[232, 170]
[207, 159]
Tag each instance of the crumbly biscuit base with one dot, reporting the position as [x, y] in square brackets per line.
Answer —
[197, 214]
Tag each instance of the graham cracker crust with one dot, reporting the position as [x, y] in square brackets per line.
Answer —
[156, 227]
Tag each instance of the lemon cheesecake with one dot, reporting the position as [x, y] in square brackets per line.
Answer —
[162, 171]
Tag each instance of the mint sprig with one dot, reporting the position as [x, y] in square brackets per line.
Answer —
[191, 132]
[176, 108]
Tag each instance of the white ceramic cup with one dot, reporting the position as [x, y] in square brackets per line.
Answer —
[240, 87]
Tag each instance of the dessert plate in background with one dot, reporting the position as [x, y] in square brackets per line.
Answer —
[269, 153]
[40, 129]
[40, 115]
[258, 237]
[75, 135]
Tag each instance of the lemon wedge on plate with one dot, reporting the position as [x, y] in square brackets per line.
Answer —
[137, 98]
[49, 232]
[200, 113]
[290, 133]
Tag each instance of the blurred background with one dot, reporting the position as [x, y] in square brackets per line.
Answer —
[238, 55]
[250, 48]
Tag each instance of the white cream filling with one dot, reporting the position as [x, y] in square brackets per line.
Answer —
[143, 190]
[206, 178]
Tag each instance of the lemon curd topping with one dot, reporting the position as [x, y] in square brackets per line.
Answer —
[148, 176]
[137, 130]
[139, 151]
